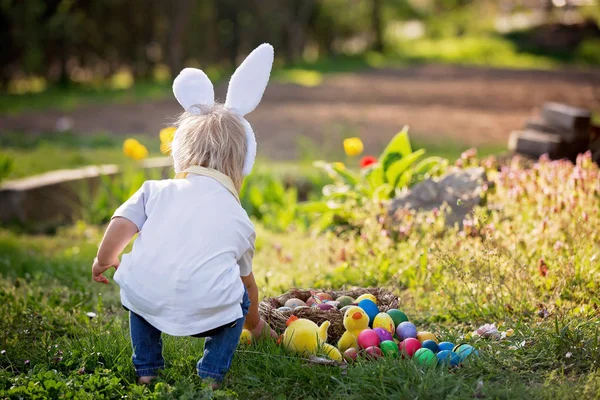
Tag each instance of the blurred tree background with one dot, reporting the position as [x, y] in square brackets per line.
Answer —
[87, 42]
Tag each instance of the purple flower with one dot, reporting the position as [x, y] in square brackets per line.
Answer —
[26, 362]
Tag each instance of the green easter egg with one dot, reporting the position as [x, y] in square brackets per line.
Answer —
[397, 316]
[344, 301]
[389, 348]
[425, 357]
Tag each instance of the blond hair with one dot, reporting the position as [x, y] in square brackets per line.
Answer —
[215, 139]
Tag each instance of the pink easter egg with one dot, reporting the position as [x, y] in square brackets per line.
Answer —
[373, 352]
[368, 338]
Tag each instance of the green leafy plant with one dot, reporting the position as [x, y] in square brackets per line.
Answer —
[6, 165]
[266, 198]
[397, 168]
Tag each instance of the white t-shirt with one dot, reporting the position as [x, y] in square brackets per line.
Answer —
[195, 241]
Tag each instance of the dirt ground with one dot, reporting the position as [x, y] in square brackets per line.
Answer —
[472, 106]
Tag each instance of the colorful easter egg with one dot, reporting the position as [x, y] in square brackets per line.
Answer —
[325, 306]
[424, 335]
[284, 308]
[465, 351]
[406, 330]
[425, 357]
[368, 338]
[312, 300]
[245, 337]
[366, 296]
[448, 357]
[293, 303]
[370, 308]
[383, 320]
[351, 354]
[324, 296]
[389, 348]
[397, 316]
[345, 301]
[431, 345]
[373, 352]
[446, 346]
[383, 334]
[409, 346]
[333, 303]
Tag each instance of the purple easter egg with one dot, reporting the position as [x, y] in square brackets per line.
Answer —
[383, 334]
[406, 330]
[324, 306]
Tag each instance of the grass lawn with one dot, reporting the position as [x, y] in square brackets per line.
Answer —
[33, 155]
[529, 262]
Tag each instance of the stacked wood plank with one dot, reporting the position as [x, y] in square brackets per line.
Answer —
[561, 131]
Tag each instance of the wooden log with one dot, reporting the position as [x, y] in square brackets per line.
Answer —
[573, 123]
[45, 201]
[541, 125]
[535, 144]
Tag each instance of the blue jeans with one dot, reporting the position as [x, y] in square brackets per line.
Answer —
[219, 346]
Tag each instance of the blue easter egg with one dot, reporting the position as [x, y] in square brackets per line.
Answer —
[447, 357]
[284, 308]
[431, 345]
[446, 346]
[406, 330]
[370, 308]
[465, 351]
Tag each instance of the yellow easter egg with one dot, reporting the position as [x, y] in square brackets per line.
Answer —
[423, 336]
[245, 337]
[366, 296]
[383, 320]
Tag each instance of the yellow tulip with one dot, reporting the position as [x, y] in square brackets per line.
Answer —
[167, 134]
[134, 149]
[339, 165]
[165, 148]
[353, 146]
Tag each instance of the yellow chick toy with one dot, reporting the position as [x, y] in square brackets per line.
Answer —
[355, 321]
[305, 337]
[245, 337]
[366, 296]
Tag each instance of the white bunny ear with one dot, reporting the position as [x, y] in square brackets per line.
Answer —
[192, 87]
[249, 80]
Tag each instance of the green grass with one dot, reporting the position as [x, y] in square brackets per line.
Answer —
[33, 155]
[489, 51]
[70, 98]
[449, 282]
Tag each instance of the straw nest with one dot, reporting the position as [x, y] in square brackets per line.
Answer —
[277, 319]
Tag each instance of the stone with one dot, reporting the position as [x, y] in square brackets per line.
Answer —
[460, 189]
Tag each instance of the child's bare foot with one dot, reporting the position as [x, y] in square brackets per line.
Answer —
[145, 380]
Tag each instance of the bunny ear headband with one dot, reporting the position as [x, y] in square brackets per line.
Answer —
[192, 88]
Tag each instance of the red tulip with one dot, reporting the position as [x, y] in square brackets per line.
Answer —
[367, 160]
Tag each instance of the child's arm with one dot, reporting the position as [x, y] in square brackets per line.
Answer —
[117, 236]
[254, 323]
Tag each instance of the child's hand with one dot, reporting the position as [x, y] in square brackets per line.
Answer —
[98, 269]
[262, 329]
